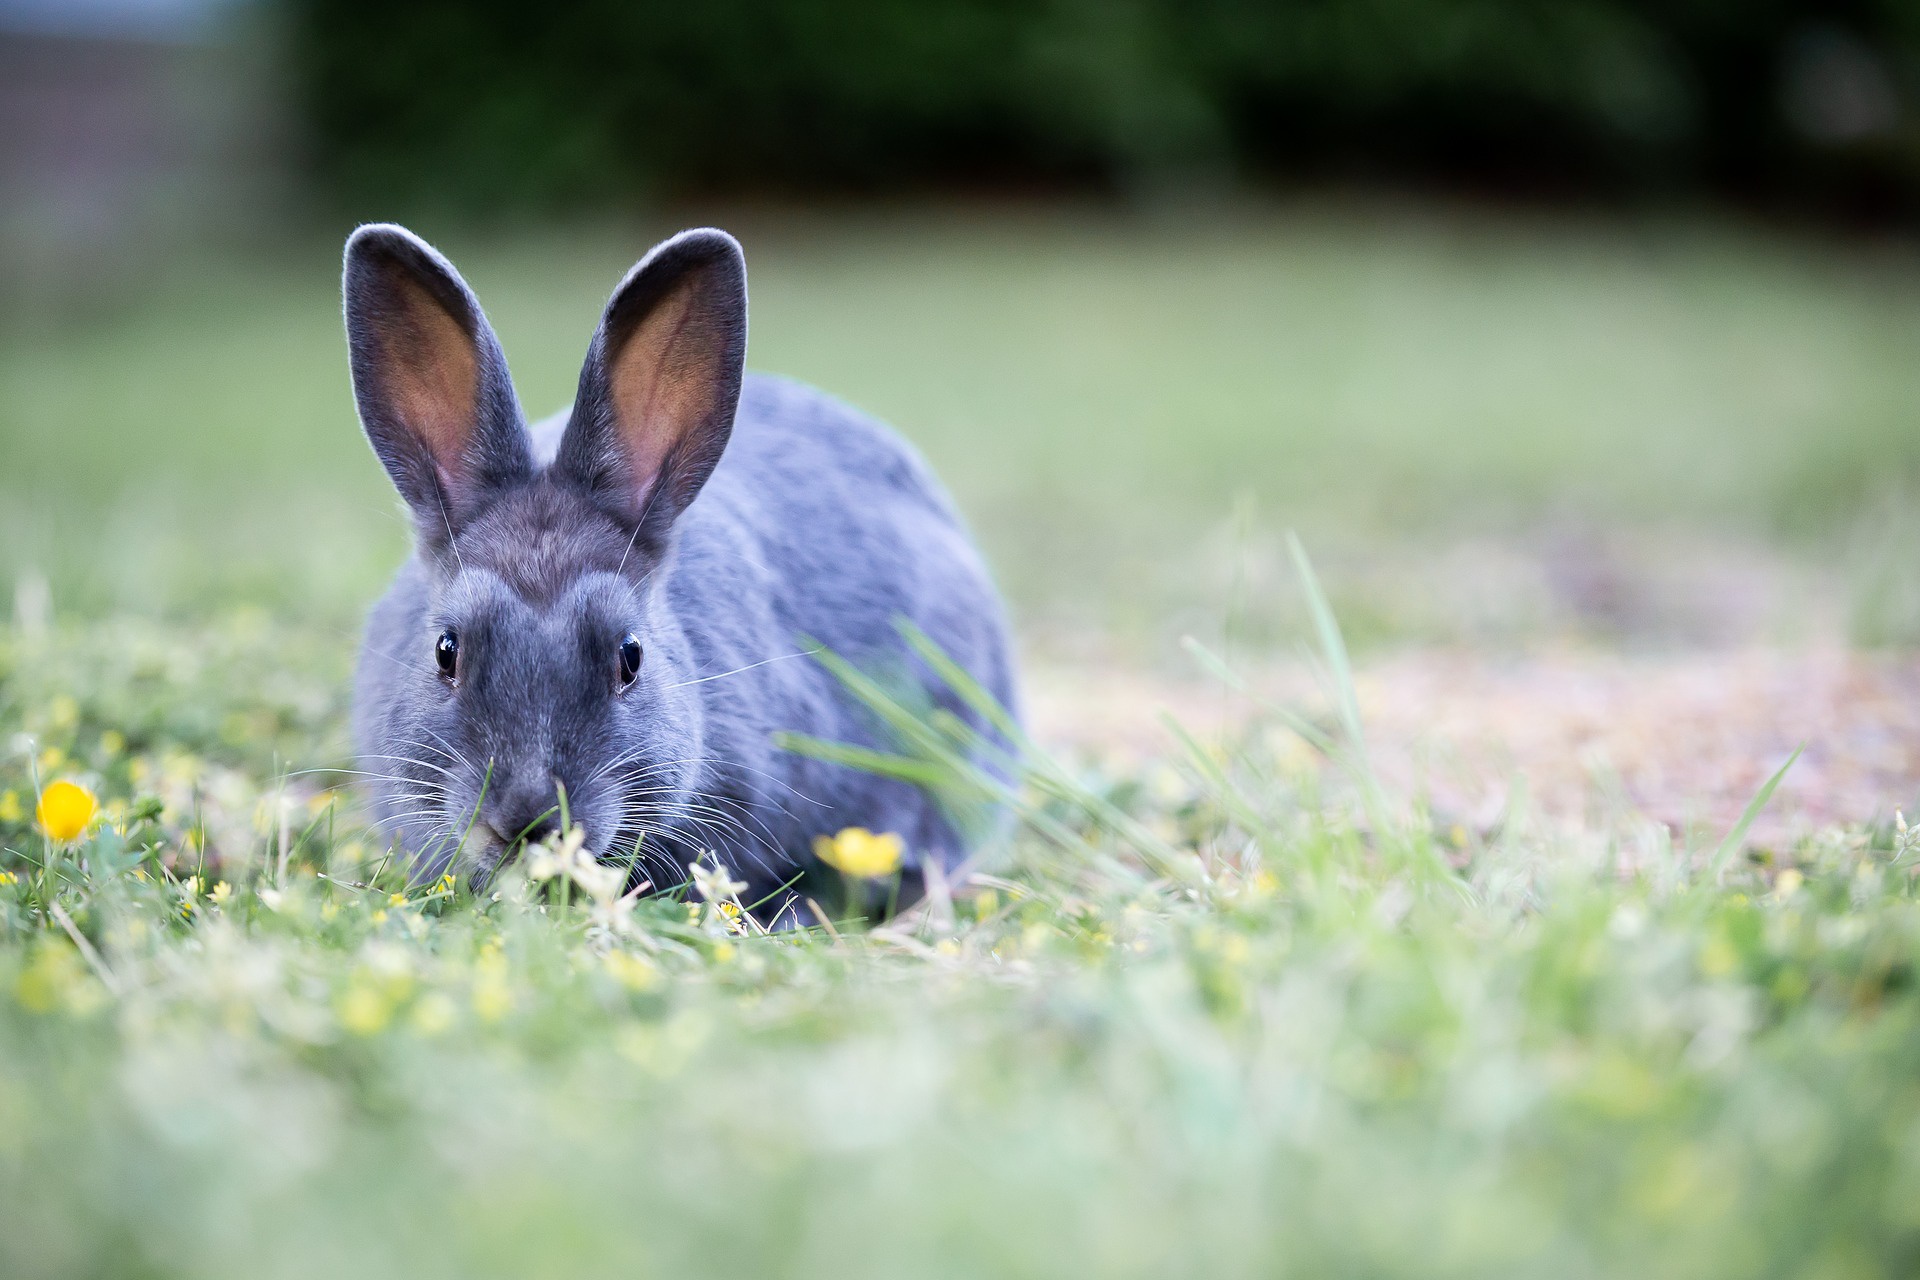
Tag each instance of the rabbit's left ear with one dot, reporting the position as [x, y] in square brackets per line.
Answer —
[661, 382]
[429, 379]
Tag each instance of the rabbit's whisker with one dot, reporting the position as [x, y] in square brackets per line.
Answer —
[717, 763]
[737, 670]
[717, 826]
[424, 764]
[428, 746]
[377, 776]
[450, 751]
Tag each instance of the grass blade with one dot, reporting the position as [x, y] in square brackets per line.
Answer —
[1731, 845]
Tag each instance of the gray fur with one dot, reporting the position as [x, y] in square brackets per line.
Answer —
[778, 513]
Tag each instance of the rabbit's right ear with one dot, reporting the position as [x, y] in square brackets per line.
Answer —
[661, 383]
[429, 378]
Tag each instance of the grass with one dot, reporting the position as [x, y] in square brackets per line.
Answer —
[1221, 1017]
[1226, 1013]
[1115, 401]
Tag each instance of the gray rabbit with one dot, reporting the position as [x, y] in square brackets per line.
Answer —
[615, 603]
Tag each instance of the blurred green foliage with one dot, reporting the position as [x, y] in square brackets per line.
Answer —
[1128, 409]
[495, 104]
[1205, 1023]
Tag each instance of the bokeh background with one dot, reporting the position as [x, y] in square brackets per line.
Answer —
[1537, 318]
[1576, 338]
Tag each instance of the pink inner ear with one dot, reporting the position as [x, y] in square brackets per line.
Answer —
[431, 376]
[662, 384]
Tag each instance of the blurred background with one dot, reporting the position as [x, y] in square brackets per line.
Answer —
[1540, 319]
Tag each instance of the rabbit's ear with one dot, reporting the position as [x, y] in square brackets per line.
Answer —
[429, 378]
[661, 382]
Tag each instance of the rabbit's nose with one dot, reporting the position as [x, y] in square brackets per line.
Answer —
[530, 816]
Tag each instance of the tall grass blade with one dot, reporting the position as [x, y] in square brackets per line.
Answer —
[1333, 649]
[954, 761]
[1731, 845]
[1333, 646]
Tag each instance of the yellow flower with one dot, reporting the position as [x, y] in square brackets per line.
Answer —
[492, 999]
[1718, 958]
[492, 996]
[7, 877]
[631, 971]
[54, 977]
[10, 810]
[65, 810]
[433, 1015]
[858, 852]
[363, 1010]
[396, 899]
[221, 892]
[113, 742]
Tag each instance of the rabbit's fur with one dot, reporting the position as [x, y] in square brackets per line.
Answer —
[541, 551]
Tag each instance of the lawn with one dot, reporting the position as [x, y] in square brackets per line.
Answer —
[1118, 404]
[1243, 1005]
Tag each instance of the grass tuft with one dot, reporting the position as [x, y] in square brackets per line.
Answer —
[1214, 1019]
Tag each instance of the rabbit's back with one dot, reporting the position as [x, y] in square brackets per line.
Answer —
[836, 526]
[857, 531]
[786, 431]
[821, 525]
[830, 527]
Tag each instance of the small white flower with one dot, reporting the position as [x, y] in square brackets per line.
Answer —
[567, 856]
[714, 883]
[555, 856]
[599, 881]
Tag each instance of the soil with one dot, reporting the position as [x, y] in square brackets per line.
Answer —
[1681, 738]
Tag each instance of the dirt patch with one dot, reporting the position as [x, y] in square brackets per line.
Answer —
[1684, 739]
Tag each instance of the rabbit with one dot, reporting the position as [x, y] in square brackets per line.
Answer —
[617, 604]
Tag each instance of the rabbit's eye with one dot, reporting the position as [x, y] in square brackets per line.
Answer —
[630, 656]
[446, 652]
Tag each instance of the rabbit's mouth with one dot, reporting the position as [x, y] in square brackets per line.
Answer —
[488, 854]
[482, 865]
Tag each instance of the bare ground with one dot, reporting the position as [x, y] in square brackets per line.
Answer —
[1582, 737]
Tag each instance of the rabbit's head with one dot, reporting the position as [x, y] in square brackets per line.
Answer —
[538, 666]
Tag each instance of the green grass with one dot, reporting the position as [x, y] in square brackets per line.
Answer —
[1220, 1015]
[1102, 393]
[1204, 1020]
